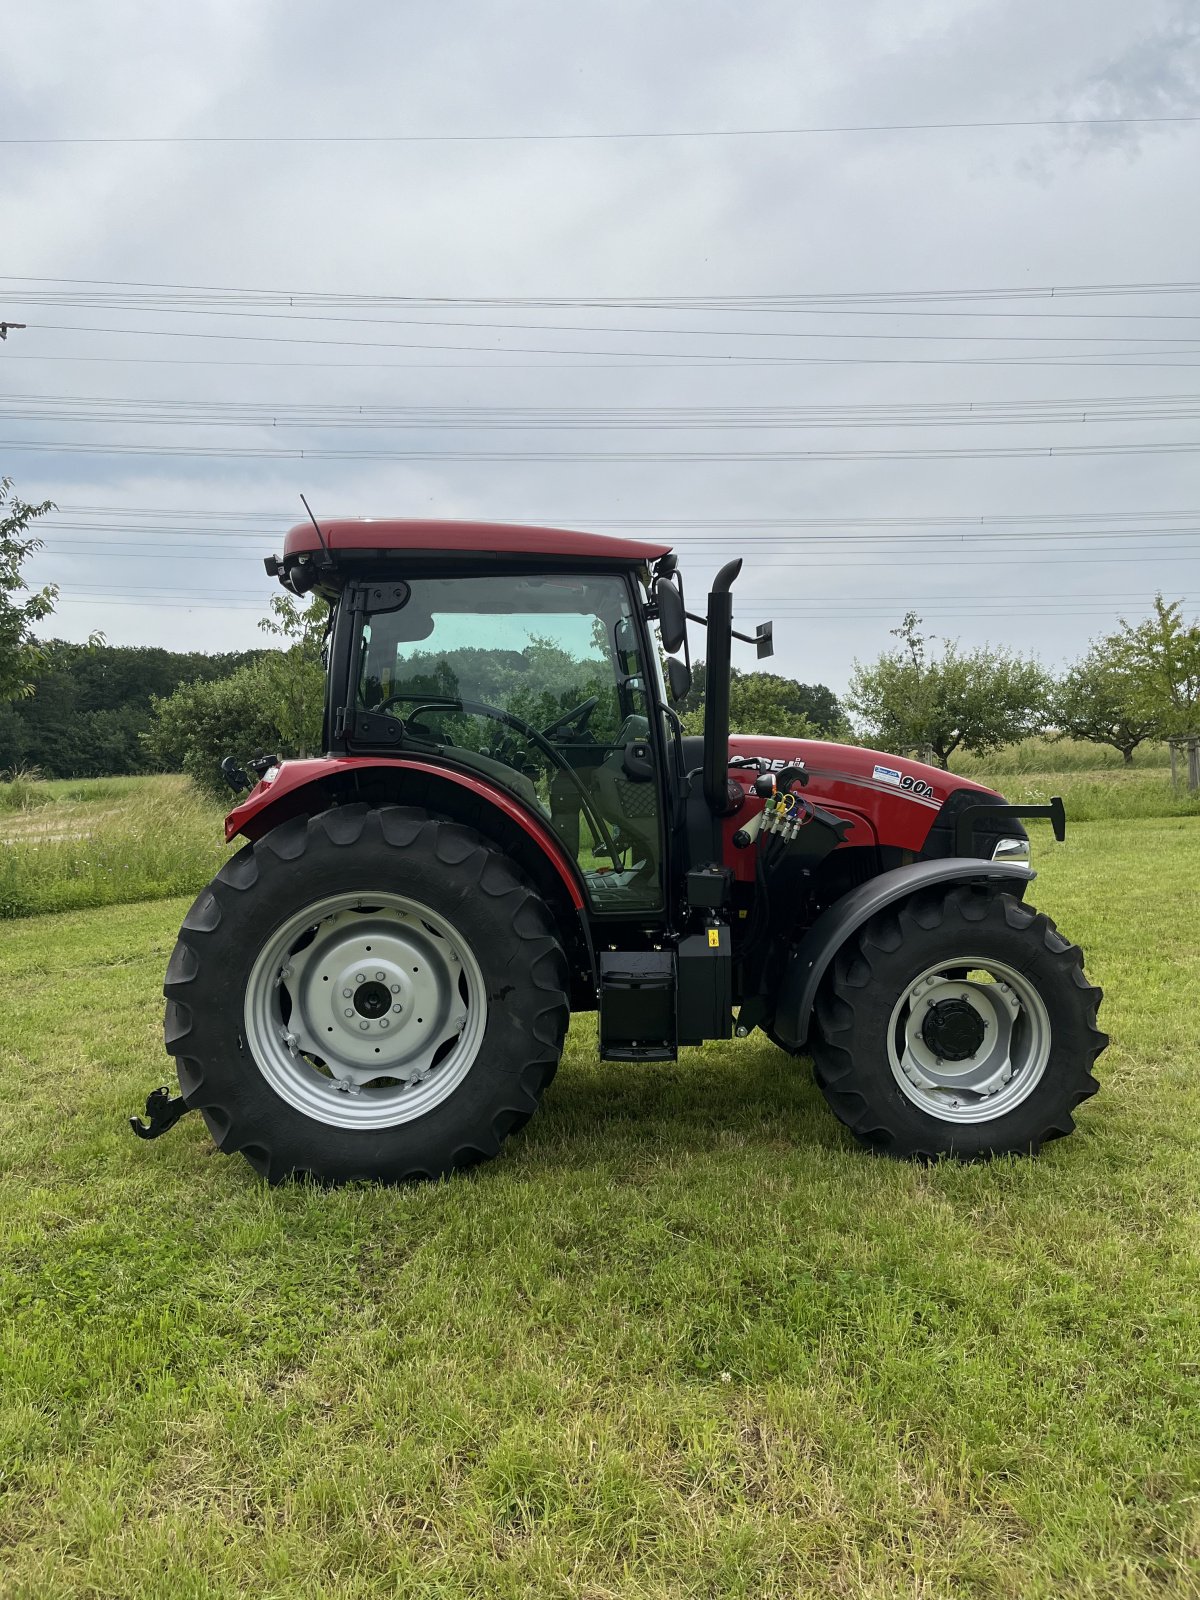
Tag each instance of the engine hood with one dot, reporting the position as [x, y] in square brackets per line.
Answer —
[900, 799]
[875, 768]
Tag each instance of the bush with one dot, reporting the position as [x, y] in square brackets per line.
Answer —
[200, 724]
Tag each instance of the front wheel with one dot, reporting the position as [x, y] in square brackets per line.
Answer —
[957, 1023]
[366, 994]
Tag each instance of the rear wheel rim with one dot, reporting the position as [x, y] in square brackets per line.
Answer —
[365, 1011]
[1005, 1066]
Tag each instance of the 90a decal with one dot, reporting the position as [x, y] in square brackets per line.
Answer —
[916, 787]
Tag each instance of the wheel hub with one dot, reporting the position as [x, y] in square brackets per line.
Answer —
[953, 1029]
[372, 1000]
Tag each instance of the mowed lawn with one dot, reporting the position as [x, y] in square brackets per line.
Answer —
[682, 1339]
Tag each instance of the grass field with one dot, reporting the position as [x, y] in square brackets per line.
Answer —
[682, 1339]
[104, 841]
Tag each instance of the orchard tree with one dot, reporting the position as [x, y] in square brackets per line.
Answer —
[765, 702]
[972, 700]
[21, 608]
[1101, 699]
[1162, 657]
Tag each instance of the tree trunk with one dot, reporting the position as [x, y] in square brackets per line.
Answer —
[1127, 753]
[1193, 764]
[1174, 771]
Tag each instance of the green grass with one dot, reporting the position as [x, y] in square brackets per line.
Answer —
[682, 1339]
[1092, 780]
[1058, 755]
[1118, 795]
[105, 842]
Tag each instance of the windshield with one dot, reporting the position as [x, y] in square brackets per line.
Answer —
[538, 682]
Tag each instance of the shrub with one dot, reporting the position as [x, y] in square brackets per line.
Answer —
[201, 723]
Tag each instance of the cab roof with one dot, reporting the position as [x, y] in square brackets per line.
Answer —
[361, 536]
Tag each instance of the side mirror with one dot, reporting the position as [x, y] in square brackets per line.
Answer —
[679, 678]
[672, 619]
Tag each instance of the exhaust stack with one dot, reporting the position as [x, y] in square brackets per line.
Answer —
[716, 690]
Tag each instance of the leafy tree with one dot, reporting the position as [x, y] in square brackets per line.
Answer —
[1100, 699]
[295, 677]
[1162, 657]
[976, 700]
[20, 607]
[765, 702]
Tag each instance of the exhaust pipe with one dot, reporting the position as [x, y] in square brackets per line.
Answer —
[716, 690]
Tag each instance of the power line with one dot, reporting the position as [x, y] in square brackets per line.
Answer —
[324, 412]
[591, 327]
[708, 357]
[201, 301]
[973, 519]
[597, 137]
[694, 363]
[568, 457]
[643, 421]
[762, 301]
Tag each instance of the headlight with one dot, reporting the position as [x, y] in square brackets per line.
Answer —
[1012, 850]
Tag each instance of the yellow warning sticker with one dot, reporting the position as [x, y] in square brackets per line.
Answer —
[714, 938]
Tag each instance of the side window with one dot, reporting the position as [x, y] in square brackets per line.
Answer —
[537, 683]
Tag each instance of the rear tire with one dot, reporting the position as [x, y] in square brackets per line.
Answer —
[957, 1023]
[280, 1043]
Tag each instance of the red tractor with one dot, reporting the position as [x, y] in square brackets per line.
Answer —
[509, 823]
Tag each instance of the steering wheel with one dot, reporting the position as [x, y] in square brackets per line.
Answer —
[480, 708]
[576, 719]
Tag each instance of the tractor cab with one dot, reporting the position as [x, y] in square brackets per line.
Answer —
[519, 655]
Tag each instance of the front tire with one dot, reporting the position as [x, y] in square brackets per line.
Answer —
[957, 1023]
[368, 993]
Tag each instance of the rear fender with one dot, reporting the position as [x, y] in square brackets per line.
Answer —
[812, 957]
[300, 786]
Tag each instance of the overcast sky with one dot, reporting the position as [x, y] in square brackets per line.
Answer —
[751, 422]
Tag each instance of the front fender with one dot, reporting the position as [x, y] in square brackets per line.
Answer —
[811, 959]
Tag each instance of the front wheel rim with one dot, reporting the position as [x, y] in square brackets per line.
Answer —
[993, 1003]
[365, 1011]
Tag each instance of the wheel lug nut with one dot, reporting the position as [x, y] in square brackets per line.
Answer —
[384, 1023]
[364, 1026]
[381, 976]
[397, 1008]
[360, 977]
[349, 1011]
[395, 988]
[347, 993]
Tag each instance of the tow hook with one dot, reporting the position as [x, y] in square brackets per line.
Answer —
[163, 1111]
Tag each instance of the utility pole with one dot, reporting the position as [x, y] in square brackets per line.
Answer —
[5, 326]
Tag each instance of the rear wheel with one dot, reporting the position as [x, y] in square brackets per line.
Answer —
[957, 1023]
[366, 994]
